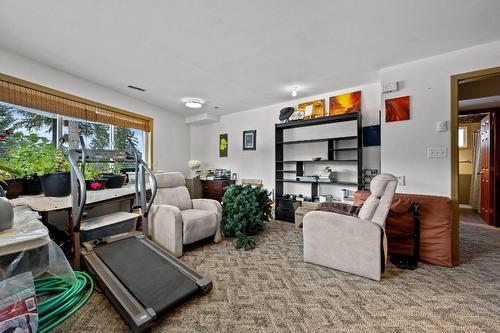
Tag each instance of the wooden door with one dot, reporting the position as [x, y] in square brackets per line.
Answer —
[486, 195]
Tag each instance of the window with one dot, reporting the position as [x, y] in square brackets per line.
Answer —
[16, 121]
[28, 108]
[462, 136]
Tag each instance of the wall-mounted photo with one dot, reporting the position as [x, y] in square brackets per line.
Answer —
[397, 109]
[313, 109]
[250, 140]
[223, 145]
[345, 103]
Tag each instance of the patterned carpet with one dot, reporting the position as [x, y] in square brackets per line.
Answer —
[270, 289]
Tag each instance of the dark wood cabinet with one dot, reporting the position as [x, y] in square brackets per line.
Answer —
[214, 189]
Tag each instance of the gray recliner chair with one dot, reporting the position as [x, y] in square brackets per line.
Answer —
[175, 220]
[354, 244]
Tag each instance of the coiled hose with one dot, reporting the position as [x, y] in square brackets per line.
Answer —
[64, 298]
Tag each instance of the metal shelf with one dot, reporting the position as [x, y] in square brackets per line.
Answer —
[317, 140]
[320, 161]
[316, 182]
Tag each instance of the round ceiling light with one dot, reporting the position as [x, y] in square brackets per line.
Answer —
[193, 103]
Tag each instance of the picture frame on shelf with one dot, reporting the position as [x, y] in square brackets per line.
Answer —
[250, 140]
[317, 111]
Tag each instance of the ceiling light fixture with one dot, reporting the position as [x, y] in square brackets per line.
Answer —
[193, 103]
[294, 91]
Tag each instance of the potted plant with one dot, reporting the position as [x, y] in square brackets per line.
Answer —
[16, 165]
[115, 178]
[244, 212]
[14, 185]
[51, 165]
[93, 178]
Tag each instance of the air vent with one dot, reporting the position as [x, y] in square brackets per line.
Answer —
[136, 88]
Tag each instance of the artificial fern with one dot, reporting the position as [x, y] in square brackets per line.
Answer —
[245, 209]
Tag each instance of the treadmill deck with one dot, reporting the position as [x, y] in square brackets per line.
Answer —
[149, 276]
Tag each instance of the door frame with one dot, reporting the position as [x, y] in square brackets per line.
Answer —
[455, 222]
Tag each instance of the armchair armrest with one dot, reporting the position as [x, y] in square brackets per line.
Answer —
[344, 242]
[165, 228]
[212, 205]
[208, 204]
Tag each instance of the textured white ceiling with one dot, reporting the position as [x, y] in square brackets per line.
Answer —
[237, 54]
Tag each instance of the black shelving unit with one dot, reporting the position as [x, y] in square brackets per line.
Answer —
[334, 152]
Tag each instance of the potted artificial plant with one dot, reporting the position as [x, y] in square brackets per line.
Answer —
[244, 212]
[93, 178]
[115, 178]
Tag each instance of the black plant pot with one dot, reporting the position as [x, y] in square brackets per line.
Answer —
[32, 186]
[14, 188]
[57, 184]
[114, 180]
[96, 185]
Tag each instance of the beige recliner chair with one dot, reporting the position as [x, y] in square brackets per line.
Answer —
[354, 244]
[176, 220]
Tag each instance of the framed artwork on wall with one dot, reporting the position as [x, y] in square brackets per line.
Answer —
[250, 140]
[397, 109]
[345, 103]
[223, 145]
[313, 109]
[371, 136]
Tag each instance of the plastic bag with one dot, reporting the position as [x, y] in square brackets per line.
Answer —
[27, 247]
[18, 309]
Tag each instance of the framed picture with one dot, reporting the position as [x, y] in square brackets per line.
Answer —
[223, 145]
[345, 103]
[371, 136]
[313, 109]
[250, 140]
[397, 109]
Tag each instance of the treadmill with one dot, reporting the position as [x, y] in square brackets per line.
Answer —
[141, 280]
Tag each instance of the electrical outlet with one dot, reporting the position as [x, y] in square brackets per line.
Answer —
[436, 152]
[401, 180]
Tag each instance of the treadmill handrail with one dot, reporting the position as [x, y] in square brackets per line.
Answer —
[154, 187]
[82, 191]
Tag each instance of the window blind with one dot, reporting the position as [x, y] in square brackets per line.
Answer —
[67, 105]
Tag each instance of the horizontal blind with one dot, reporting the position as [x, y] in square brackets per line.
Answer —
[32, 98]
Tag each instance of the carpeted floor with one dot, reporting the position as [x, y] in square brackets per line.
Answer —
[270, 289]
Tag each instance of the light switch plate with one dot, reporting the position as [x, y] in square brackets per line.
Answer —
[401, 180]
[436, 153]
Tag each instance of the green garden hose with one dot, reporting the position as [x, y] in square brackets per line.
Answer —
[63, 299]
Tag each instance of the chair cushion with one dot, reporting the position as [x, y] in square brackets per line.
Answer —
[198, 224]
[175, 196]
[170, 179]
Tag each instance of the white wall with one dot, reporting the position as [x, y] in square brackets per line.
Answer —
[427, 82]
[171, 134]
[260, 163]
